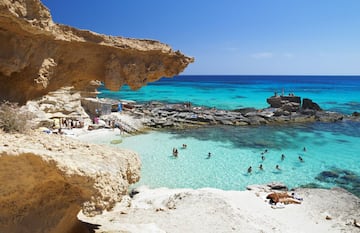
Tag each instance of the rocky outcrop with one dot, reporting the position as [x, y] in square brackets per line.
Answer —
[161, 115]
[38, 56]
[47, 191]
[62, 103]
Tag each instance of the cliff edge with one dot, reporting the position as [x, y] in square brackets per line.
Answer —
[38, 55]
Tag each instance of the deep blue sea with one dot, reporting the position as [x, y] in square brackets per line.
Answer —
[332, 156]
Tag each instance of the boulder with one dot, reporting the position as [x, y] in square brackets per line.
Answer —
[309, 104]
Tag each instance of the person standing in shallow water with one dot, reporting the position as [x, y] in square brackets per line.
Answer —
[261, 167]
[249, 170]
[282, 157]
[175, 152]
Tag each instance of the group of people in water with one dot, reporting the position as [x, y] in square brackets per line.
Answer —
[249, 170]
[175, 152]
[277, 167]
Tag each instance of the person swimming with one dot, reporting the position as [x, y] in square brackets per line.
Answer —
[262, 158]
[304, 149]
[277, 167]
[301, 159]
[209, 155]
[249, 169]
[261, 167]
[282, 157]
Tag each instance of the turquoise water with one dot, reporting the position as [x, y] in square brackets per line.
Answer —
[332, 149]
[329, 147]
[335, 93]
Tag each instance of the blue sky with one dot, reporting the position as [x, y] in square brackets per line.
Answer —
[233, 36]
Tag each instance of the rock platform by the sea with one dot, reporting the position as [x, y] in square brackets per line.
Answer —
[164, 115]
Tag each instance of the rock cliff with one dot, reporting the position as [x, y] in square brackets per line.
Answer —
[47, 179]
[38, 55]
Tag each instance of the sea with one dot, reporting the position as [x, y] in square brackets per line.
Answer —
[330, 151]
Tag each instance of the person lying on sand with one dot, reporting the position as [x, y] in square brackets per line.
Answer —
[282, 198]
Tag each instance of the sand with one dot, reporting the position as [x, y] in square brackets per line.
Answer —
[213, 210]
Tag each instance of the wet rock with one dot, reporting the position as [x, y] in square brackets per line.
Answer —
[355, 114]
[328, 116]
[309, 104]
[277, 186]
[245, 110]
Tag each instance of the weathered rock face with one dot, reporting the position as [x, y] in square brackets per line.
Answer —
[45, 180]
[38, 56]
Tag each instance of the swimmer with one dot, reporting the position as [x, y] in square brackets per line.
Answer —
[261, 167]
[262, 158]
[282, 157]
[301, 159]
[304, 149]
[175, 152]
[277, 167]
[250, 169]
[209, 155]
[184, 146]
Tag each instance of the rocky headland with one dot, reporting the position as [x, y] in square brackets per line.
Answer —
[48, 179]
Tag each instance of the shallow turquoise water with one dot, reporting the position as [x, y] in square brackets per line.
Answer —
[328, 147]
[333, 149]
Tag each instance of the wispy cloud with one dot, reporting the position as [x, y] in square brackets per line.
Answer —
[262, 55]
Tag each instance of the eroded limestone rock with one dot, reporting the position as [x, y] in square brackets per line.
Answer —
[38, 55]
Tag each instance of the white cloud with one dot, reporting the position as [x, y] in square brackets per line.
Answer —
[262, 55]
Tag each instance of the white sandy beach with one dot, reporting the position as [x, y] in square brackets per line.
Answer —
[213, 210]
